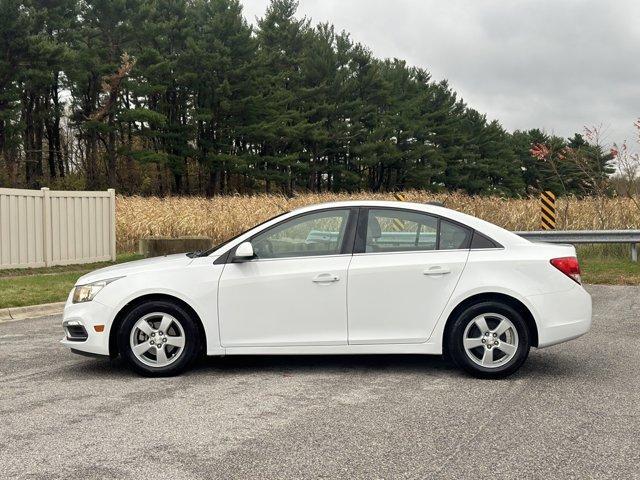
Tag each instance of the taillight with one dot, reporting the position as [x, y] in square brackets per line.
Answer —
[569, 266]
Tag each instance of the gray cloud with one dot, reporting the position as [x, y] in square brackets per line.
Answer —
[552, 64]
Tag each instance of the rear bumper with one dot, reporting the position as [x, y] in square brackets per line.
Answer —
[561, 316]
[87, 315]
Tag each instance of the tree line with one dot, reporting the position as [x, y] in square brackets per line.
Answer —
[185, 97]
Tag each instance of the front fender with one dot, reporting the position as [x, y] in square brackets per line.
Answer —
[202, 295]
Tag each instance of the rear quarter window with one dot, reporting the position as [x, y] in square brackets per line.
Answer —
[453, 236]
[480, 241]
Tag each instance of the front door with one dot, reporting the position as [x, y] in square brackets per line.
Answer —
[294, 292]
[403, 276]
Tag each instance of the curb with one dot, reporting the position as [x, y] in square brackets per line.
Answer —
[33, 311]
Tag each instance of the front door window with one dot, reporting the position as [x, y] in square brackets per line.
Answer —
[320, 233]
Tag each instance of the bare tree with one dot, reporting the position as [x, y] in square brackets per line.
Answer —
[545, 153]
[587, 160]
[629, 166]
[111, 87]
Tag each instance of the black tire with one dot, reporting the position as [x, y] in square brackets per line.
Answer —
[455, 350]
[192, 341]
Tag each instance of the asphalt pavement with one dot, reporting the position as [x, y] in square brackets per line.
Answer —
[573, 411]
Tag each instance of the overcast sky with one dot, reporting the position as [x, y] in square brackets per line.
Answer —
[552, 64]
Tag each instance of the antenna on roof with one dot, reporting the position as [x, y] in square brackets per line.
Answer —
[436, 204]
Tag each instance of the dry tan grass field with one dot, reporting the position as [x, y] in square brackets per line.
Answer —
[222, 217]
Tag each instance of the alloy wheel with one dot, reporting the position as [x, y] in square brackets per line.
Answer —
[157, 339]
[490, 340]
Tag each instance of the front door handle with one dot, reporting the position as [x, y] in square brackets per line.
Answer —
[325, 278]
[436, 270]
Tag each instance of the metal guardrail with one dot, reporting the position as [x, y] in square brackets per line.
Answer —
[631, 237]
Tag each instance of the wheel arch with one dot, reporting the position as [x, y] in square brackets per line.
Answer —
[513, 302]
[122, 313]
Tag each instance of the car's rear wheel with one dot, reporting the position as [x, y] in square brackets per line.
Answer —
[158, 338]
[489, 340]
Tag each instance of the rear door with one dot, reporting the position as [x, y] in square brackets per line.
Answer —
[405, 267]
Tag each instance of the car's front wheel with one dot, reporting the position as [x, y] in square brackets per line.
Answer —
[489, 340]
[158, 338]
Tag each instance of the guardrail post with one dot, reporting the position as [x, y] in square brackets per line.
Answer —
[46, 227]
[634, 252]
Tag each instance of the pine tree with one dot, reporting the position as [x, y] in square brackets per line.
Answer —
[183, 96]
[15, 26]
[219, 59]
[280, 126]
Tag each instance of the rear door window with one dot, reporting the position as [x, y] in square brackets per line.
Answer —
[396, 230]
[400, 231]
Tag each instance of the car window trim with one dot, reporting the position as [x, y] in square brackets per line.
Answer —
[309, 257]
[356, 234]
[405, 252]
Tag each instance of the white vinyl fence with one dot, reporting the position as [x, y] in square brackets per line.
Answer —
[40, 228]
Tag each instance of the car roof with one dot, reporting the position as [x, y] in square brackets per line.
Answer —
[491, 230]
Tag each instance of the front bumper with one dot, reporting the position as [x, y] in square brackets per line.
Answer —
[562, 316]
[86, 316]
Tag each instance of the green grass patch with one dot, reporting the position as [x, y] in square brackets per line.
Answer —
[36, 289]
[34, 286]
[608, 264]
[609, 271]
[621, 251]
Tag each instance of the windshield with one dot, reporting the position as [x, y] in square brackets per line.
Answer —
[220, 245]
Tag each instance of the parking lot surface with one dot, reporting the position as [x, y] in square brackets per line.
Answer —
[573, 411]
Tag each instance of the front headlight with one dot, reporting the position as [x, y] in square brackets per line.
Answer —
[85, 293]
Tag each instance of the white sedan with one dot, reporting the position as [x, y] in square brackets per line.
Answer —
[357, 277]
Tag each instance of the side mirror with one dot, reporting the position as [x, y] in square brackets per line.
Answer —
[244, 251]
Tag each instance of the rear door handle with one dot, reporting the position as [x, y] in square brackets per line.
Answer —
[325, 278]
[436, 270]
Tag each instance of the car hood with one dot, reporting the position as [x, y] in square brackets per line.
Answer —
[137, 266]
